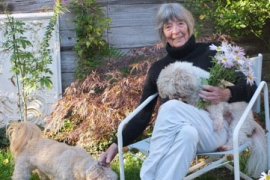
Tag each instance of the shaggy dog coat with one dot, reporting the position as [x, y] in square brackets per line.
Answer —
[50, 159]
[182, 80]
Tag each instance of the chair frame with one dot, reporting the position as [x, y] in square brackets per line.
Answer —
[219, 158]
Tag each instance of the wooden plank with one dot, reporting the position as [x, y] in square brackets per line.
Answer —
[120, 2]
[27, 6]
[67, 31]
[66, 21]
[67, 39]
[68, 61]
[131, 37]
[132, 15]
[67, 79]
[68, 65]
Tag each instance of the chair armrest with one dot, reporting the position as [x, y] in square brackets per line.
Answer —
[120, 129]
[261, 86]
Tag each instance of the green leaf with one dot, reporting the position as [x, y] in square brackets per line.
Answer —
[87, 44]
[243, 26]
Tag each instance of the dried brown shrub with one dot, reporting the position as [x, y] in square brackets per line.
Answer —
[91, 109]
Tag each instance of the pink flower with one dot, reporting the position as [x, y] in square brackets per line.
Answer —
[238, 51]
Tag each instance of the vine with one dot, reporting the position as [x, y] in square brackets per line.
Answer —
[91, 23]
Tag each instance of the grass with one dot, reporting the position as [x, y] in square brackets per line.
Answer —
[132, 168]
[6, 164]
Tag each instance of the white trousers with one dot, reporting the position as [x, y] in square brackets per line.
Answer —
[180, 131]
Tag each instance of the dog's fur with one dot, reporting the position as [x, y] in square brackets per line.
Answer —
[182, 80]
[50, 159]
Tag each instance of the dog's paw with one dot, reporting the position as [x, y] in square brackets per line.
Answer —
[224, 147]
[221, 148]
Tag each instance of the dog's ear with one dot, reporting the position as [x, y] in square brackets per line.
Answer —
[185, 81]
[166, 87]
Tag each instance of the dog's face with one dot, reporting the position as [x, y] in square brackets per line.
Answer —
[98, 172]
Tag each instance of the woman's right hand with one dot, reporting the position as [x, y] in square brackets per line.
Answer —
[109, 155]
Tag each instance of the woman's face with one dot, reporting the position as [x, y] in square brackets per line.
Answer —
[176, 32]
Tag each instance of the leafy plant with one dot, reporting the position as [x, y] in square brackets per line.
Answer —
[235, 18]
[91, 23]
[92, 108]
[30, 72]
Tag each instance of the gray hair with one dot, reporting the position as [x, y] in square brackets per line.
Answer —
[171, 11]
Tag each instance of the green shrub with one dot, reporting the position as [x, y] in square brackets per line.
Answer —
[235, 18]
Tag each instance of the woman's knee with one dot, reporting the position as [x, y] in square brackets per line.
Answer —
[189, 133]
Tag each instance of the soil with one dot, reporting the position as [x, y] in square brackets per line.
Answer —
[219, 174]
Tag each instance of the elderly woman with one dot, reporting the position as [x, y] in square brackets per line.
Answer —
[180, 130]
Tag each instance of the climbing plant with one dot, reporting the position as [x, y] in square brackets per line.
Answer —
[90, 25]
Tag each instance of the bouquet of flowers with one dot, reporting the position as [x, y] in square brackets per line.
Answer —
[227, 62]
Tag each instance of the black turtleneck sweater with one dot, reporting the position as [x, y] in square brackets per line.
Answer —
[201, 56]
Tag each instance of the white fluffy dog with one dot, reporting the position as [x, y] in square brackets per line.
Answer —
[51, 159]
[182, 80]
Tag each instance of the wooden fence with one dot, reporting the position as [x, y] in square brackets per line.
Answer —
[133, 26]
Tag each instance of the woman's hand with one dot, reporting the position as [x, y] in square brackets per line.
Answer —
[109, 155]
[214, 94]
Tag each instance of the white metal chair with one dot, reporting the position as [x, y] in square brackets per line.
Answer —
[216, 159]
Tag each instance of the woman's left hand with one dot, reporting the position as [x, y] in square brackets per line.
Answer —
[214, 94]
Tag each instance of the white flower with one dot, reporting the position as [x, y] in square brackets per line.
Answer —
[234, 57]
[265, 176]
[223, 47]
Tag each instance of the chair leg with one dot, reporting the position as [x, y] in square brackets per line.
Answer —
[201, 164]
[242, 175]
[213, 165]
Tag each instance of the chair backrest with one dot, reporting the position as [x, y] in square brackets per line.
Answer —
[257, 68]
